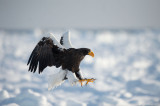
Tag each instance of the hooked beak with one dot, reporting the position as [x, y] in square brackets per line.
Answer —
[91, 53]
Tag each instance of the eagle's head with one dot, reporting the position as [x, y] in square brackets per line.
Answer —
[86, 51]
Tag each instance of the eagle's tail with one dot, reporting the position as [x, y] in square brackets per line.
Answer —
[56, 79]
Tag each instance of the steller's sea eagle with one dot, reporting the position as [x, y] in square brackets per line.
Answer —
[49, 52]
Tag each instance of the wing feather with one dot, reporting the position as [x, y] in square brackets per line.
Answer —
[46, 53]
[35, 65]
[31, 55]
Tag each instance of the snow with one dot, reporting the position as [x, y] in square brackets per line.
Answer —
[11, 104]
[126, 66]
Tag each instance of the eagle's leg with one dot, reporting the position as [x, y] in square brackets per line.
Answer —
[79, 75]
[81, 79]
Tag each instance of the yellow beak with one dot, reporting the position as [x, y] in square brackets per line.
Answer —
[91, 53]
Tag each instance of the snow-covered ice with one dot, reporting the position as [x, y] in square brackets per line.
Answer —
[126, 66]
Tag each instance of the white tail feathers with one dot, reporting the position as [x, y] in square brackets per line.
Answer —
[56, 79]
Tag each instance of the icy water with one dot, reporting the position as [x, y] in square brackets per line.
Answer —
[126, 66]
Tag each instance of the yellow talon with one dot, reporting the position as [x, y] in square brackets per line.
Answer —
[90, 80]
[87, 81]
[81, 81]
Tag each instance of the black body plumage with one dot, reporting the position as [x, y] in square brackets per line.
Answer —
[46, 53]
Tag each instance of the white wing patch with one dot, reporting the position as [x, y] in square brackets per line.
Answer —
[55, 41]
[65, 40]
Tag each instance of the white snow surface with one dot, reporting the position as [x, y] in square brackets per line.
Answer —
[126, 66]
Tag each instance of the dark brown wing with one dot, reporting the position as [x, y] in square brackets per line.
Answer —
[44, 54]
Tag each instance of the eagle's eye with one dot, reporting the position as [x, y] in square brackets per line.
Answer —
[85, 52]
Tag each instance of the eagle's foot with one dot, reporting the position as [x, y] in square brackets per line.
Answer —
[90, 80]
[87, 81]
[81, 81]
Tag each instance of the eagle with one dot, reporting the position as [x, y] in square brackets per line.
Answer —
[50, 52]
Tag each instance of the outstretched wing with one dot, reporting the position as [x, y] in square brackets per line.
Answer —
[46, 53]
[65, 40]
